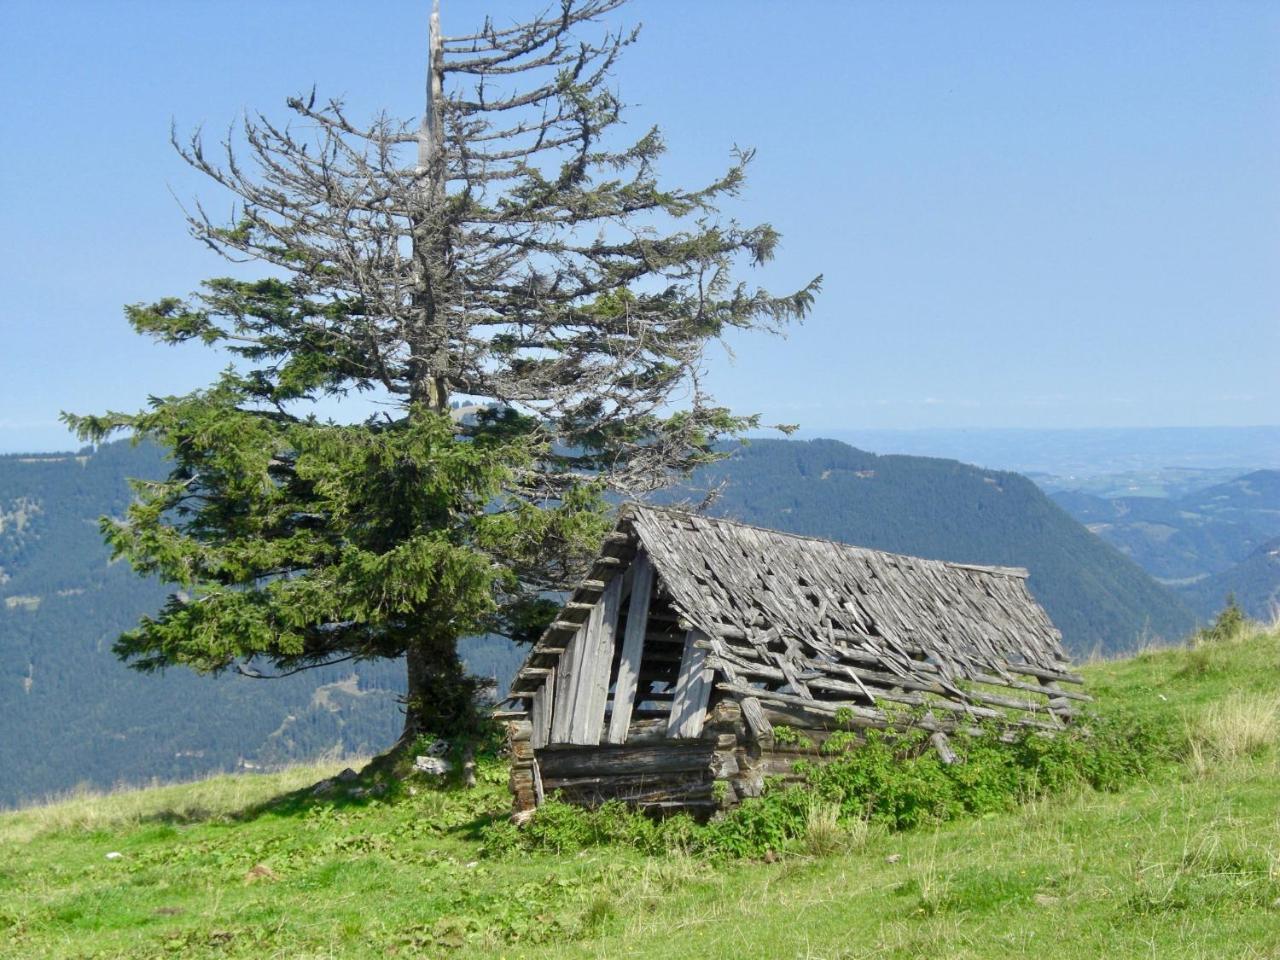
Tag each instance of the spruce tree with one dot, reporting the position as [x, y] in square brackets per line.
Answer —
[527, 262]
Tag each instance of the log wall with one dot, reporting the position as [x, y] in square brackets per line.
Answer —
[657, 774]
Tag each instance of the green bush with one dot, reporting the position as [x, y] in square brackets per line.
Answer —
[1228, 625]
[892, 780]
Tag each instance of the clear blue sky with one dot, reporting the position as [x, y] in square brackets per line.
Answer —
[1028, 214]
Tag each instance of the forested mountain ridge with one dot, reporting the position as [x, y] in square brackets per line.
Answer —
[1254, 583]
[1206, 543]
[949, 510]
[71, 713]
[1163, 536]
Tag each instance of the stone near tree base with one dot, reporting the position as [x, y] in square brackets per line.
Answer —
[433, 766]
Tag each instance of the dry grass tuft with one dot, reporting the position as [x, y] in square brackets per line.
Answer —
[1238, 726]
[825, 834]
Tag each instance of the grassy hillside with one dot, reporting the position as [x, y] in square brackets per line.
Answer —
[1185, 863]
[951, 511]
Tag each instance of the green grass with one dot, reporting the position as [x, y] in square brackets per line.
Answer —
[1185, 863]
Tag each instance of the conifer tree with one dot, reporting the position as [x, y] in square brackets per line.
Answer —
[527, 262]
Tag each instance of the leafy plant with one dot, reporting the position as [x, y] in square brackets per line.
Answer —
[891, 780]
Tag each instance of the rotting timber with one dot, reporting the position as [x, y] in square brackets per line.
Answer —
[669, 666]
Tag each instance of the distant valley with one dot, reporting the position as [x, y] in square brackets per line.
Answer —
[1208, 542]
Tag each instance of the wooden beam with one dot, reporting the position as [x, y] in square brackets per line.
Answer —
[943, 746]
[540, 712]
[624, 690]
[593, 690]
[566, 688]
[693, 689]
[583, 665]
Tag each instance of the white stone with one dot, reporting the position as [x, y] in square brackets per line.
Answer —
[435, 766]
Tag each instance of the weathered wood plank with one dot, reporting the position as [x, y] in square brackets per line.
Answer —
[753, 713]
[566, 688]
[621, 784]
[585, 667]
[624, 690]
[693, 689]
[538, 792]
[943, 746]
[540, 712]
[876, 684]
[652, 757]
[864, 716]
[601, 631]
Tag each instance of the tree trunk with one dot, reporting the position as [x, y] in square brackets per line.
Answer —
[429, 341]
[442, 697]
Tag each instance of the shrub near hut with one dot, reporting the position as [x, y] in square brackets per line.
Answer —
[888, 781]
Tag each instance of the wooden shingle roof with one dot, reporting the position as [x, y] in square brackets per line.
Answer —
[802, 621]
[729, 578]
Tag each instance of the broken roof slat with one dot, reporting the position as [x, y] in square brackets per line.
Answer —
[866, 619]
[969, 618]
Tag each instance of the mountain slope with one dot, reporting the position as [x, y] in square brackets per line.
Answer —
[1167, 538]
[1254, 583]
[1206, 543]
[70, 713]
[950, 511]
[1254, 496]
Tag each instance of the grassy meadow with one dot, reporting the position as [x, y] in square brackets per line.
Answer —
[1183, 862]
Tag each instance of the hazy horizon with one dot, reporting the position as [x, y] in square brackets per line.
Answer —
[1034, 450]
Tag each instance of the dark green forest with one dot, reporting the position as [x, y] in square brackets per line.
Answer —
[70, 713]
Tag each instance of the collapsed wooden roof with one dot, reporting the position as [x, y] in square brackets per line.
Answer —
[810, 623]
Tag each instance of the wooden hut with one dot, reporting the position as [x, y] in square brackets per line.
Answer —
[692, 639]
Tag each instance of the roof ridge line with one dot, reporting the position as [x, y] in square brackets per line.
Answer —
[1021, 573]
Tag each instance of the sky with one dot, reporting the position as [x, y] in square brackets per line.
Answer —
[1036, 215]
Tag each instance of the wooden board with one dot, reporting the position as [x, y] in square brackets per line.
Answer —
[693, 689]
[574, 725]
[624, 690]
[587, 723]
[540, 711]
[651, 758]
[566, 688]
